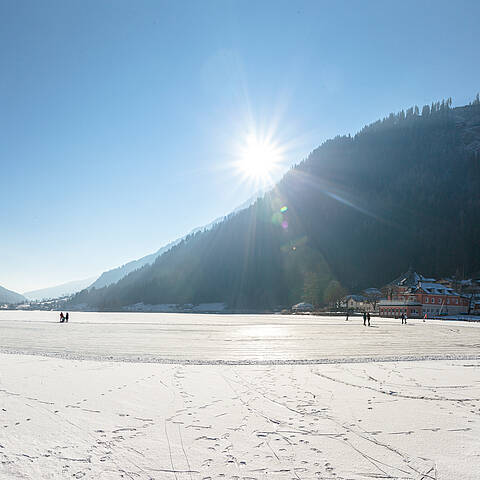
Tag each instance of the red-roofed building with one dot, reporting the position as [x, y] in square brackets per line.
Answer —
[417, 296]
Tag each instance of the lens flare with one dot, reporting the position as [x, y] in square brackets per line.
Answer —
[259, 158]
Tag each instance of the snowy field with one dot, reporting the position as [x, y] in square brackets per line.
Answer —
[352, 419]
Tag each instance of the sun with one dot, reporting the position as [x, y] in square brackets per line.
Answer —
[259, 158]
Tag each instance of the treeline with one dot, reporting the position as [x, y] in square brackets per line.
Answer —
[355, 213]
[435, 109]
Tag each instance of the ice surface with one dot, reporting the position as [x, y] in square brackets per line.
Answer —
[96, 419]
[191, 338]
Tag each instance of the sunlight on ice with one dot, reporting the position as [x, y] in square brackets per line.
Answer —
[261, 331]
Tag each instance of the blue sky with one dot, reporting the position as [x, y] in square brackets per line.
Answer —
[119, 120]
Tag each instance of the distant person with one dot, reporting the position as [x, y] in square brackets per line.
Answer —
[346, 319]
[368, 318]
[62, 317]
[66, 317]
[404, 319]
[424, 317]
[364, 319]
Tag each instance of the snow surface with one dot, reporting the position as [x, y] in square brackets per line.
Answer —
[267, 404]
[109, 420]
[198, 338]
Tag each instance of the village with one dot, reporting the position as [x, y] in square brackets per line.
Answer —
[414, 296]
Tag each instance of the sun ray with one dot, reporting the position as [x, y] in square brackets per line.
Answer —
[259, 158]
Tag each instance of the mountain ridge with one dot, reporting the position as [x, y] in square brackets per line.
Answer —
[56, 291]
[356, 211]
[10, 297]
[113, 275]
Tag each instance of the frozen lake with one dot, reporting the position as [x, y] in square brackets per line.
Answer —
[196, 338]
[70, 418]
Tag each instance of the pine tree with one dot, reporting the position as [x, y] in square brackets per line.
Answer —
[312, 292]
[334, 293]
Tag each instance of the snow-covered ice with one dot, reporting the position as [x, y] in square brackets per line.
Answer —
[197, 338]
[97, 419]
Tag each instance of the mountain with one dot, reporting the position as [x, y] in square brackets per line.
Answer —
[354, 214]
[59, 290]
[112, 276]
[7, 296]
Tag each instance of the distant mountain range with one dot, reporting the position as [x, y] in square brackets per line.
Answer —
[357, 212]
[57, 291]
[112, 276]
[7, 296]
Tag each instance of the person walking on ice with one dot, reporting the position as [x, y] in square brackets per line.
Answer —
[62, 318]
[404, 319]
[364, 319]
[368, 318]
[66, 317]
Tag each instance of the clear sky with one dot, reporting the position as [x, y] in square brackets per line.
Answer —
[120, 120]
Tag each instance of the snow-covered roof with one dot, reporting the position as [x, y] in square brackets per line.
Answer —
[372, 291]
[436, 288]
[303, 305]
[397, 303]
[411, 279]
[356, 298]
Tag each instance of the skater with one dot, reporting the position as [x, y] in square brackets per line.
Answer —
[368, 318]
[364, 319]
[347, 317]
[62, 317]
[404, 319]
[66, 317]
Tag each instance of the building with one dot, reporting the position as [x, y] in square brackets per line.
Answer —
[357, 303]
[475, 305]
[417, 296]
[466, 286]
[302, 307]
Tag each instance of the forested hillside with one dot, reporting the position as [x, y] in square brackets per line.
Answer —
[359, 210]
[115, 274]
[9, 297]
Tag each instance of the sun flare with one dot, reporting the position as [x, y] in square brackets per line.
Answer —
[259, 158]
